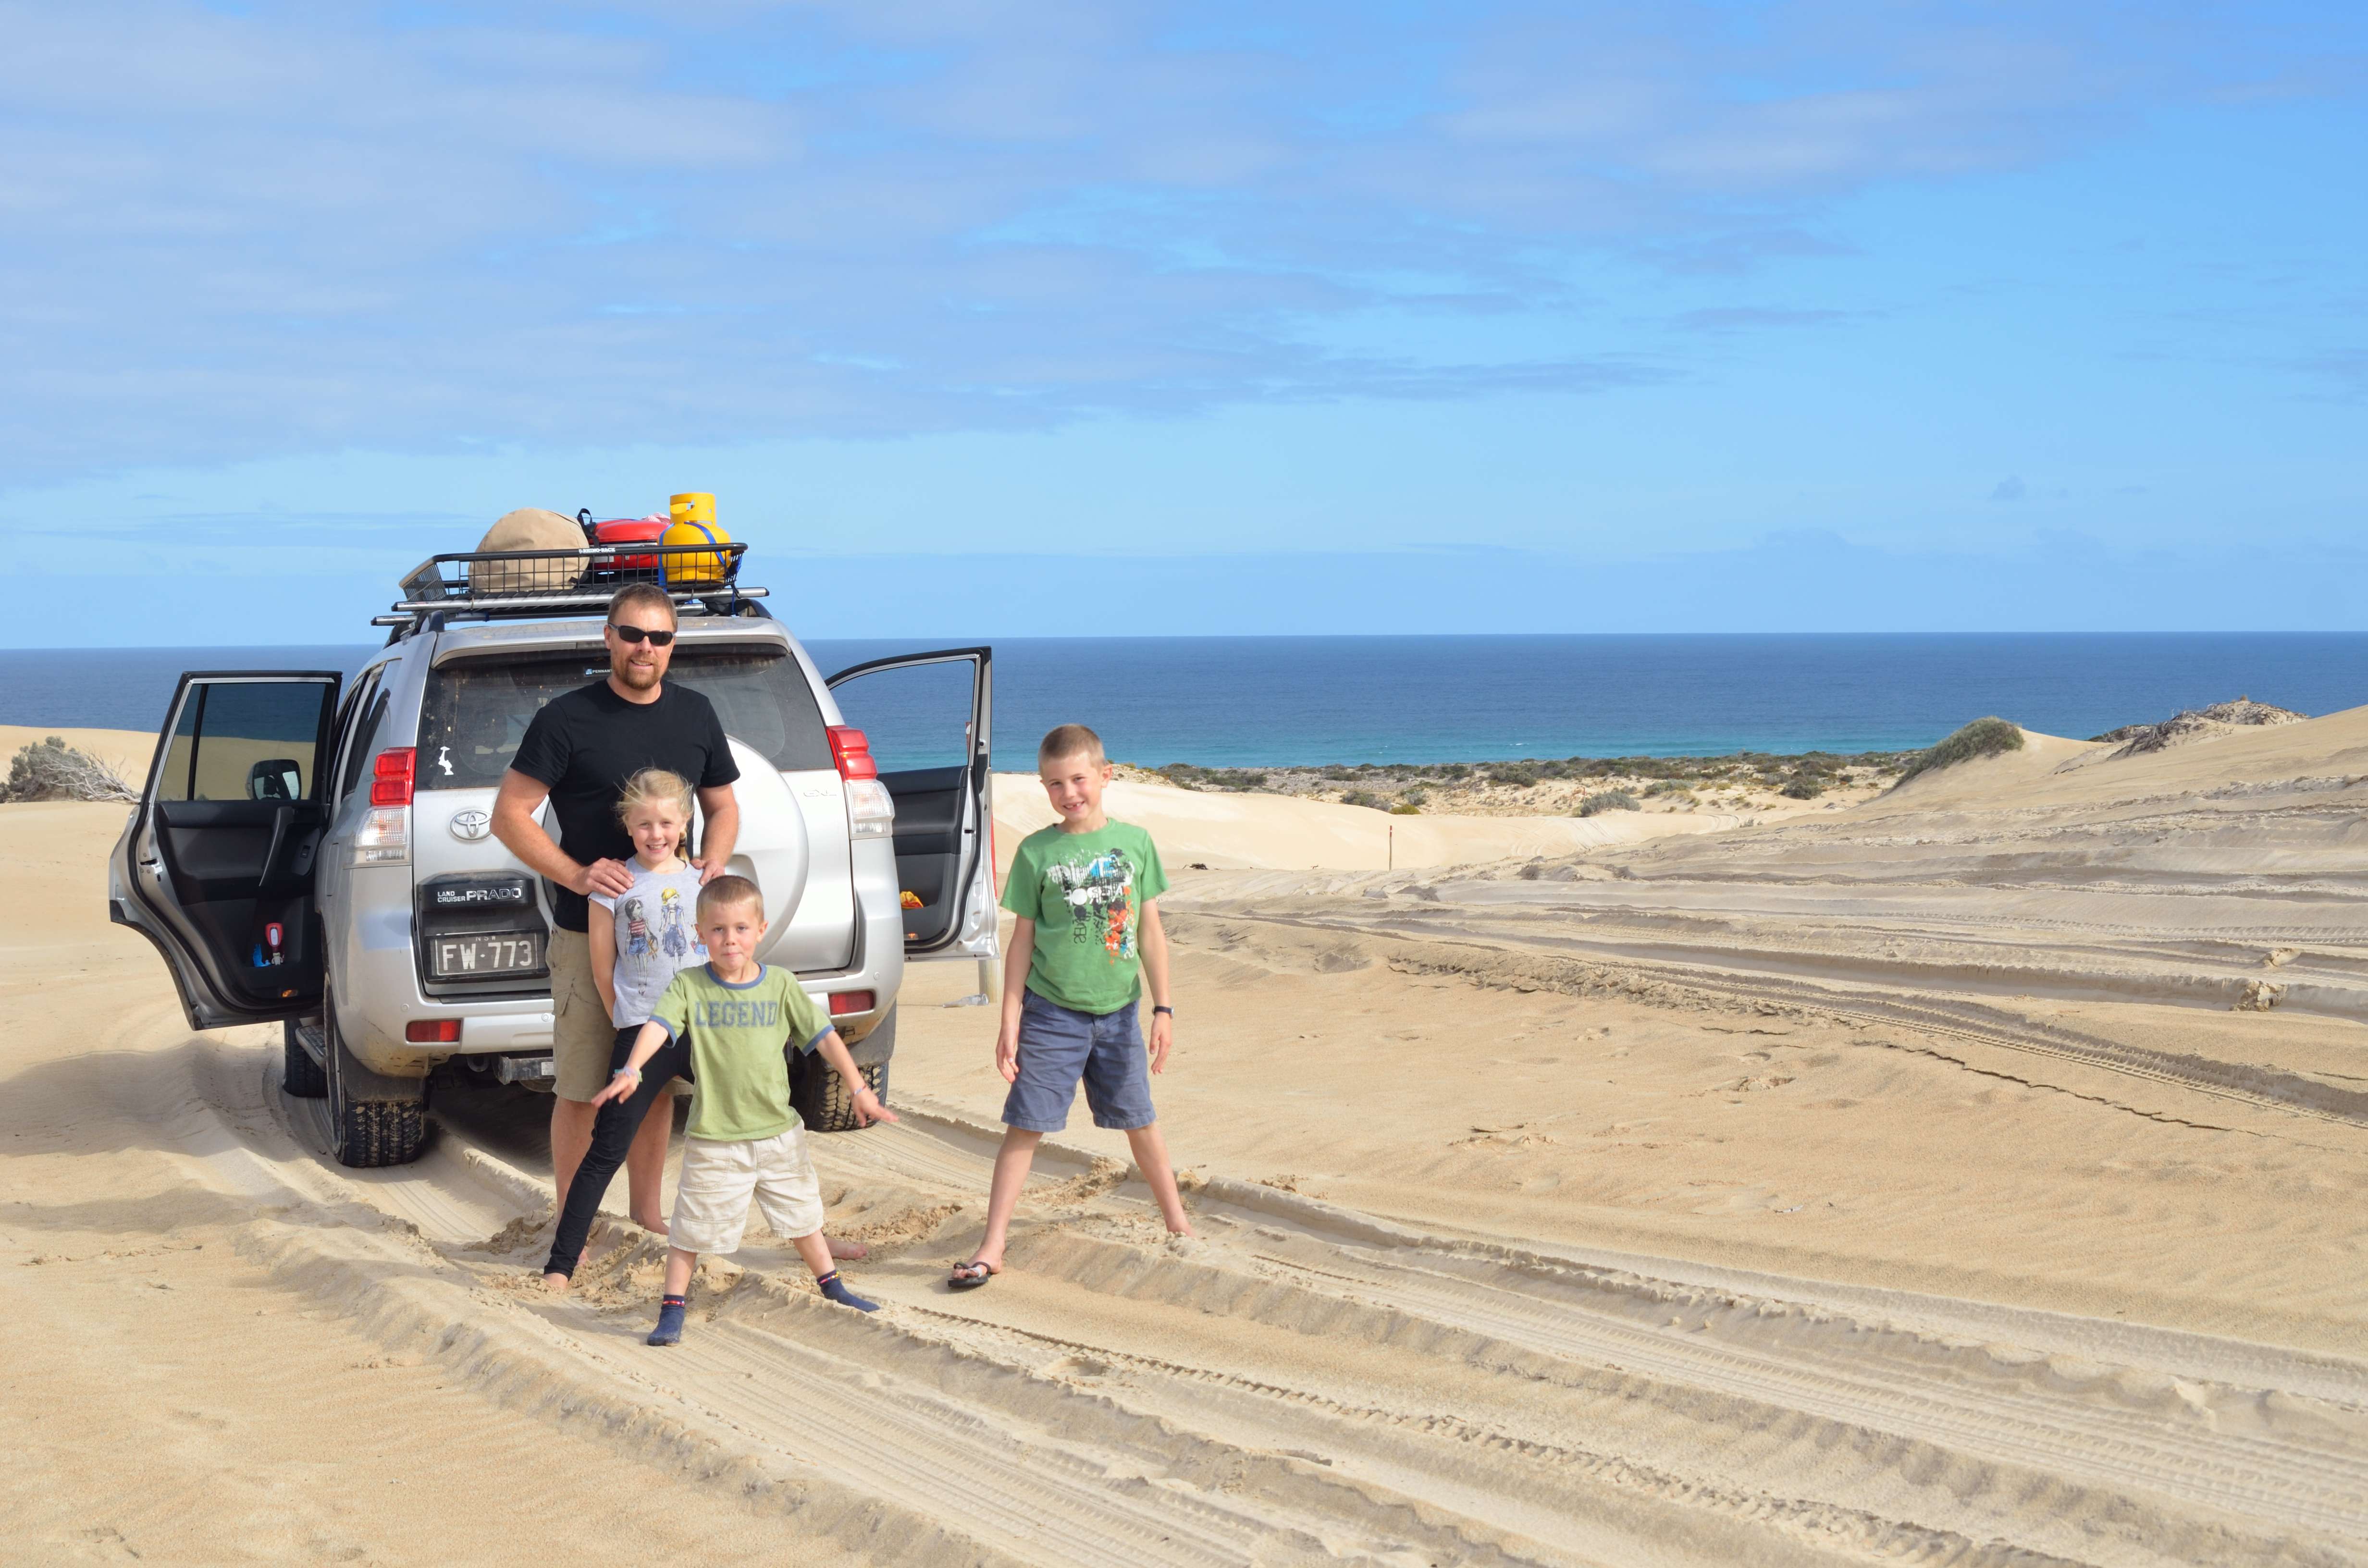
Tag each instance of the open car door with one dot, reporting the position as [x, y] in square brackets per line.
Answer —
[216, 865]
[928, 717]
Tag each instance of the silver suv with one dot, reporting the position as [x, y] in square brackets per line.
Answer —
[319, 854]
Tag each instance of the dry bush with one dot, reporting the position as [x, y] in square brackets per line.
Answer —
[56, 771]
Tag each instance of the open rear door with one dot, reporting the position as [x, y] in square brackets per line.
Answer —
[928, 716]
[216, 867]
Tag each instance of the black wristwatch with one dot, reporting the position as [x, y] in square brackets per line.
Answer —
[1169, 1011]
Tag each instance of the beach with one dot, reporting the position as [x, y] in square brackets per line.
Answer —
[1967, 1171]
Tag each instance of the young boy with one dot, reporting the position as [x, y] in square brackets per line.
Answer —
[744, 1141]
[1086, 892]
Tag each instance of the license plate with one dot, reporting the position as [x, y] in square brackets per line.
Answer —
[458, 956]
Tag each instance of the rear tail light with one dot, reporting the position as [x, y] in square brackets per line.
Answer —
[384, 837]
[870, 813]
[851, 753]
[433, 1031]
[391, 779]
[845, 1002]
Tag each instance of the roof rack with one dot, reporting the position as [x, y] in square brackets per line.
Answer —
[524, 584]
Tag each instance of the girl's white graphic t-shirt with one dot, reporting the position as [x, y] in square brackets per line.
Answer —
[658, 934]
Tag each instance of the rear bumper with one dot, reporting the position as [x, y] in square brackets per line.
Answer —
[379, 998]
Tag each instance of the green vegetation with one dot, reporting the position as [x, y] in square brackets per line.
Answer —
[1982, 737]
[1186, 775]
[1803, 787]
[1607, 801]
[1409, 807]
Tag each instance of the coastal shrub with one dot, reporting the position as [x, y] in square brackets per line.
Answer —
[1806, 788]
[1415, 798]
[1667, 787]
[1363, 798]
[1520, 774]
[1409, 807]
[1607, 801]
[56, 771]
[1335, 771]
[1452, 770]
[1982, 737]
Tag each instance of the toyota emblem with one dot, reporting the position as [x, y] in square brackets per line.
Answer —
[471, 826]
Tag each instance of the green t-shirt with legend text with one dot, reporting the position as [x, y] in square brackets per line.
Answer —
[741, 1091]
[1085, 892]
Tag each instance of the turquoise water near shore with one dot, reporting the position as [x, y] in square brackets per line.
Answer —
[1248, 702]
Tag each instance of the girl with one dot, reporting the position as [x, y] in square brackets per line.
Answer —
[632, 971]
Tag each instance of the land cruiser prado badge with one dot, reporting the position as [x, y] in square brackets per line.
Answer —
[471, 826]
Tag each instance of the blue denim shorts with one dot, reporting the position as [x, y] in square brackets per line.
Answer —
[1058, 1047]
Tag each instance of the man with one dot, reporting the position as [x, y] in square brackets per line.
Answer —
[578, 752]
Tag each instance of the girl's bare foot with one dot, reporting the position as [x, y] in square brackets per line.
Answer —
[848, 1252]
[555, 1282]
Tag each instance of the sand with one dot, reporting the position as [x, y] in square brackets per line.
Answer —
[1922, 1181]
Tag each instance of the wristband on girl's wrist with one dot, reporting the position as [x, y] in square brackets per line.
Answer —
[633, 1073]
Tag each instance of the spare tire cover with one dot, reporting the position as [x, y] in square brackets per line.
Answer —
[771, 850]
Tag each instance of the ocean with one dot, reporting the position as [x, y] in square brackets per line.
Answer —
[1268, 701]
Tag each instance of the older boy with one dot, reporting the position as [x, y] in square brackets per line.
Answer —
[1085, 893]
[745, 1140]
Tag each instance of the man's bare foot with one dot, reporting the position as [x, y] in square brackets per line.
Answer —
[848, 1252]
[555, 1282]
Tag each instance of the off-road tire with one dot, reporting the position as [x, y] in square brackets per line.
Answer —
[367, 1134]
[820, 1097]
[300, 1075]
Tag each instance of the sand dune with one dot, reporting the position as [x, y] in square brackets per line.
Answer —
[1230, 832]
[1895, 1184]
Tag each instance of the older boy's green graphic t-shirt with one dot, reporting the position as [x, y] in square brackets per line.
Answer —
[741, 1091]
[1085, 892]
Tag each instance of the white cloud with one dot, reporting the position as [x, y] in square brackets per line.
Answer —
[310, 227]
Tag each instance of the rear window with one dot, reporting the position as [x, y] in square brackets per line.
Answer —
[476, 710]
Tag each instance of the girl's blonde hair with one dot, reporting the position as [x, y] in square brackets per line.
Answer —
[656, 784]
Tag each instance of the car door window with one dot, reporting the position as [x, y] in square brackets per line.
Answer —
[364, 744]
[246, 741]
[915, 716]
[353, 719]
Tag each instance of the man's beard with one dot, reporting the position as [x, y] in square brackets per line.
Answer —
[641, 678]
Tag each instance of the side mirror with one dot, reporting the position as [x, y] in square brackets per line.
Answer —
[274, 779]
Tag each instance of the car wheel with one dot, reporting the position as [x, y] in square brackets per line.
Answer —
[366, 1134]
[820, 1097]
[300, 1075]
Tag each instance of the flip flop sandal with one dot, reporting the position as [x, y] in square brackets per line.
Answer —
[964, 1280]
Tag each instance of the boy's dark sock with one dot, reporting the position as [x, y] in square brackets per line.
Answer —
[832, 1286]
[669, 1328]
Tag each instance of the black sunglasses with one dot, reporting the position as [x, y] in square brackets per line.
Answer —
[635, 634]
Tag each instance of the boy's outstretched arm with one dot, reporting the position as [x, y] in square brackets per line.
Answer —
[1016, 959]
[628, 1078]
[833, 1050]
[1152, 937]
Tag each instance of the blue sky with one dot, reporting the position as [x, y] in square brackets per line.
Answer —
[1000, 320]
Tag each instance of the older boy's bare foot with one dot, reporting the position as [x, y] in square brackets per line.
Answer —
[848, 1252]
[556, 1282]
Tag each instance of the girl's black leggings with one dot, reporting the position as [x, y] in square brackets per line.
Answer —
[613, 1134]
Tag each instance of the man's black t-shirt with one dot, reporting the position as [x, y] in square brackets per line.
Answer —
[585, 745]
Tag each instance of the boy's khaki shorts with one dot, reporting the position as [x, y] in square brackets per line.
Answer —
[711, 1205]
[580, 1030]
